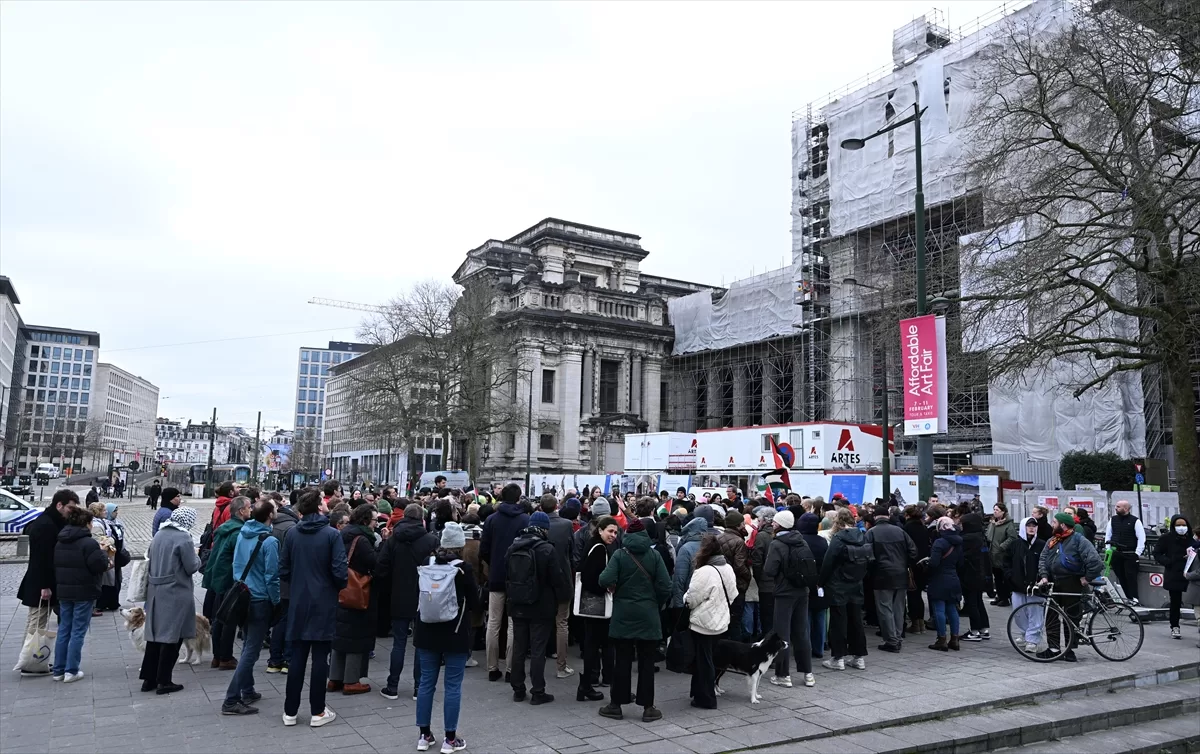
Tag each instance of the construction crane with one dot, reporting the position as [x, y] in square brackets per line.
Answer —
[348, 305]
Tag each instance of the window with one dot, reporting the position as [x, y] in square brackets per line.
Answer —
[547, 386]
[324, 370]
[33, 350]
[31, 381]
[610, 376]
[57, 352]
[304, 355]
[67, 354]
[74, 398]
[88, 355]
[87, 368]
[511, 442]
[546, 442]
[83, 410]
[300, 395]
[53, 382]
[75, 383]
[322, 383]
[337, 358]
[325, 357]
[303, 382]
[53, 367]
[312, 395]
[79, 354]
[766, 441]
[83, 398]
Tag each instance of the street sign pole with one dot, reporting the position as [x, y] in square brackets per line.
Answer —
[1140, 479]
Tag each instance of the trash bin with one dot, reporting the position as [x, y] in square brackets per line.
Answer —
[197, 491]
[1150, 585]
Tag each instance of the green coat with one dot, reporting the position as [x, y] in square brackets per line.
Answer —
[218, 571]
[1000, 538]
[636, 598]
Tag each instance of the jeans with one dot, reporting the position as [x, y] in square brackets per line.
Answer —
[792, 625]
[258, 619]
[847, 638]
[751, 620]
[816, 631]
[399, 644]
[530, 639]
[622, 686]
[1031, 625]
[704, 675]
[941, 612]
[889, 603]
[74, 617]
[456, 667]
[975, 610]
[597, 652]
[297, 663]
[279, 645]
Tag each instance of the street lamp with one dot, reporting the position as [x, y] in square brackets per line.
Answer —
[924, 442]
[886, 467]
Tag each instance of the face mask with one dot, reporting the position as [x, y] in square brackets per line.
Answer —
[1181, 530]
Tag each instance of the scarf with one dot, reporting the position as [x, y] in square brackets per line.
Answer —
[1057, 538]
[182, 519]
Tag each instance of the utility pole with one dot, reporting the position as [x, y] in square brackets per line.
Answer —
[212, 442]
[924, 442]
[257, 445]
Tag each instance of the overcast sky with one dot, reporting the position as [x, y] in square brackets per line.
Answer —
[181, 172]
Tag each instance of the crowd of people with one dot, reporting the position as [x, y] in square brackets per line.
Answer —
[316, 578]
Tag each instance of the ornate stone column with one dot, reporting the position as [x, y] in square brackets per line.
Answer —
[570, 379]
[652, 379]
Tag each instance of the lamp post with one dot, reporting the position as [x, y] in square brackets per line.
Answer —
[886, 464]
[924, 442]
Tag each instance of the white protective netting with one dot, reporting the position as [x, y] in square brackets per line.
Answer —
[752, 310]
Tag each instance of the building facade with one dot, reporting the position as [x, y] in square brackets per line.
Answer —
[592, 335]
[312, 373]
[130, 407]
[10, 329]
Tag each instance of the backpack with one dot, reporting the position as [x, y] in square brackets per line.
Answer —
[521, 584]
[859, 558]
[799, 572]
[438, 600]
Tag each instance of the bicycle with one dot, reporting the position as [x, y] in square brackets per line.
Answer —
[1044, 631]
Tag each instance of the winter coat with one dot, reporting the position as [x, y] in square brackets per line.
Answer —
[218, 570]
[758, 559]
[840, 589]
[1192, 595]
[79, 565]
[161, 516]
[785, 546]
[355, 630]
[1170, 552]
[581, 543]
[894, 553]
[1022, 569]
[499, 532]
[263, 576]
[409, 546]
[39, 574]
[314, 563]
[733, 547]
[285, 519]
[973, 571]
[944, 557]
[221, 512]
[919, 534]
[1000, 536]
[639, 593]
[1078, 549]
[712, 590]
[689, 544]
[1045, 529]
[453, 637]
[819, 546]
[552, 584]
[562, 535]
[170, 600]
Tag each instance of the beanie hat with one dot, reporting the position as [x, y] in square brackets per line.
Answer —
[635, 525]
[707, 513]
[540, 520]
[808, 523]
[600, 507]
[570, 509]
[452, 536]
[1065, 518]
[414, 512]
[169, 494]
[733, 520]
[785, 519]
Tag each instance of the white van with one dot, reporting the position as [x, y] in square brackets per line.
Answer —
[49, 470]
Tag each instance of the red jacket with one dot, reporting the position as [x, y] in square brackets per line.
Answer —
[221, 512]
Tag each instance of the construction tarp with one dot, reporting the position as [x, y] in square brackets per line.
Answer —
[750, 311]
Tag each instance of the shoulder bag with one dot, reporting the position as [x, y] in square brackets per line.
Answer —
[589, 605]
[356, 595]
[236, 603]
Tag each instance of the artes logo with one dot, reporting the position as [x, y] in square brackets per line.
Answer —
[845, 454]
[692, 450]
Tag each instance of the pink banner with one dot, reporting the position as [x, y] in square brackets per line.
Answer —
[923, 355]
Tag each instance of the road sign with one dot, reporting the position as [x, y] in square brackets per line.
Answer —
[1156, 579]
[133, 465]
[1139, 478]
[1137, 467]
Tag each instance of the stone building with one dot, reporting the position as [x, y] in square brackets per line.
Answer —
[592, 337]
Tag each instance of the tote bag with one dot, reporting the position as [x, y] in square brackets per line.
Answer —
[589, 605]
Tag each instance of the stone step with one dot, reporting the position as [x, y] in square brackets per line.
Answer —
[1173, 736]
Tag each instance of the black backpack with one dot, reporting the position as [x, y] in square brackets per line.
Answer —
[799, 572]
[859, 558]
[521, 583]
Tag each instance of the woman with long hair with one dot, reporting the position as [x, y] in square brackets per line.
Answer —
[598, 652]
[354, 637]
[842, 572]
[711, 590]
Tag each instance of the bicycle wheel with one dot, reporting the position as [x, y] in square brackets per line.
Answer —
[1116, 632]
[1028, 635]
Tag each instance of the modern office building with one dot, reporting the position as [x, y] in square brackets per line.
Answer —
[10, 333]
[312, 372]
[128, 411]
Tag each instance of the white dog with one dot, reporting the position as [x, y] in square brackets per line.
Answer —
[193, 649]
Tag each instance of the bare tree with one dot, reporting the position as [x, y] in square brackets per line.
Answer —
[1087, 148]
[306, 450]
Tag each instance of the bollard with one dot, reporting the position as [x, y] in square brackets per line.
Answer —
[23, 546]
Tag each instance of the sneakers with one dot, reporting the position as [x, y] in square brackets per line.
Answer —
[471, 663]
[786, 681]
[387, 692]
[1031, 647]
[289, 720]
[274, 668]
[424, 742]
[449, 747]
[72, 677]
[238, 708]
[1175, 633]
[566, 672]
[518, 695]
[324, 718]
[250, 697]
[832, 664]
[985, 634]
[973, 636]
[858, 663]
[284, 669]
[810, 680]
[56, 677]
[889, 647]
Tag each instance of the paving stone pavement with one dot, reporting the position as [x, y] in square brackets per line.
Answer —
[106, 712]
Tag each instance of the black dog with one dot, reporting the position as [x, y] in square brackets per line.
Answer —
[751, 660]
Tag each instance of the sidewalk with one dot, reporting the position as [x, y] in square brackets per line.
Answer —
[106, 712]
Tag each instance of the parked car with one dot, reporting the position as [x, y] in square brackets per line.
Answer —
[18, 484]
[15, 513]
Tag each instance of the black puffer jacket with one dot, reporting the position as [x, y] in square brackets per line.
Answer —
[1024, 556]
[409, 546]
[79, 564]
[1170, 552]
[974, 569]
[355, 629]
[43, 537]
